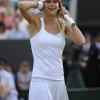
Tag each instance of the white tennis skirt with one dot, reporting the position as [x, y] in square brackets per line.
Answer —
[45, 89]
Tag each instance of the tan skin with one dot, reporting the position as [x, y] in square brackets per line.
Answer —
[51, 8]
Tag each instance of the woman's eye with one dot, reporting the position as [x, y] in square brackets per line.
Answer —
[48, 1]
[55, 1]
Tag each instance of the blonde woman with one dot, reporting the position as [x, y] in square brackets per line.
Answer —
[47, 44]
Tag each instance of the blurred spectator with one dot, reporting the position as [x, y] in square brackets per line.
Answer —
[3, 32]
[7, 5]
[83, 65]
[98, 41]
[18, 32]
[8, 20]
[14, 2]
[9, 69]
[3, 13]
[23, 80]
[7, 84]
[86, 46]
[8, 23]
[92, 70]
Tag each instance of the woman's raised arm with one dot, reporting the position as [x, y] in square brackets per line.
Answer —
[24, 7]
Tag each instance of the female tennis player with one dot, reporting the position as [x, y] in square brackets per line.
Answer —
[47, 44]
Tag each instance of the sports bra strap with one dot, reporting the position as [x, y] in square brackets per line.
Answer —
[42, 23]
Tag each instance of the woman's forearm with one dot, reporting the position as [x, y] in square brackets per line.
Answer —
[25, 5]
[78, 36]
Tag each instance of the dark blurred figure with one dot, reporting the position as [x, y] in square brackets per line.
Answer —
[92, 70]
[3, 32]
[23, 80]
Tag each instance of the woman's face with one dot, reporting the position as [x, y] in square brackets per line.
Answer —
[51, 7]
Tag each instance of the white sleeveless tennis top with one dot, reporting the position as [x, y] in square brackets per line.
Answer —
[47, 51]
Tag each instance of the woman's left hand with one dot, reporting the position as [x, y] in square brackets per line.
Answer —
[64, 11]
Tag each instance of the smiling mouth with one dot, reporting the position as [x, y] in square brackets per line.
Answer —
[51, 8]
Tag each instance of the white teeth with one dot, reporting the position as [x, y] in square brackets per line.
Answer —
[51, 8]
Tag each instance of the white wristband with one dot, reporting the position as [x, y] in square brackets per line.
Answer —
[70, 21]
[40, 5]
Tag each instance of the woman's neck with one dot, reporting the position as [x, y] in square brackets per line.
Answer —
[49, 20]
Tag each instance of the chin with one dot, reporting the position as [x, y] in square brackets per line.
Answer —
[52, 13]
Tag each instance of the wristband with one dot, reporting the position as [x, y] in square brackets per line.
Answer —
[70, 21]
[40, 5]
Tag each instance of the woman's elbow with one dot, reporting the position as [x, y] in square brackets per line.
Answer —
[82, 42]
